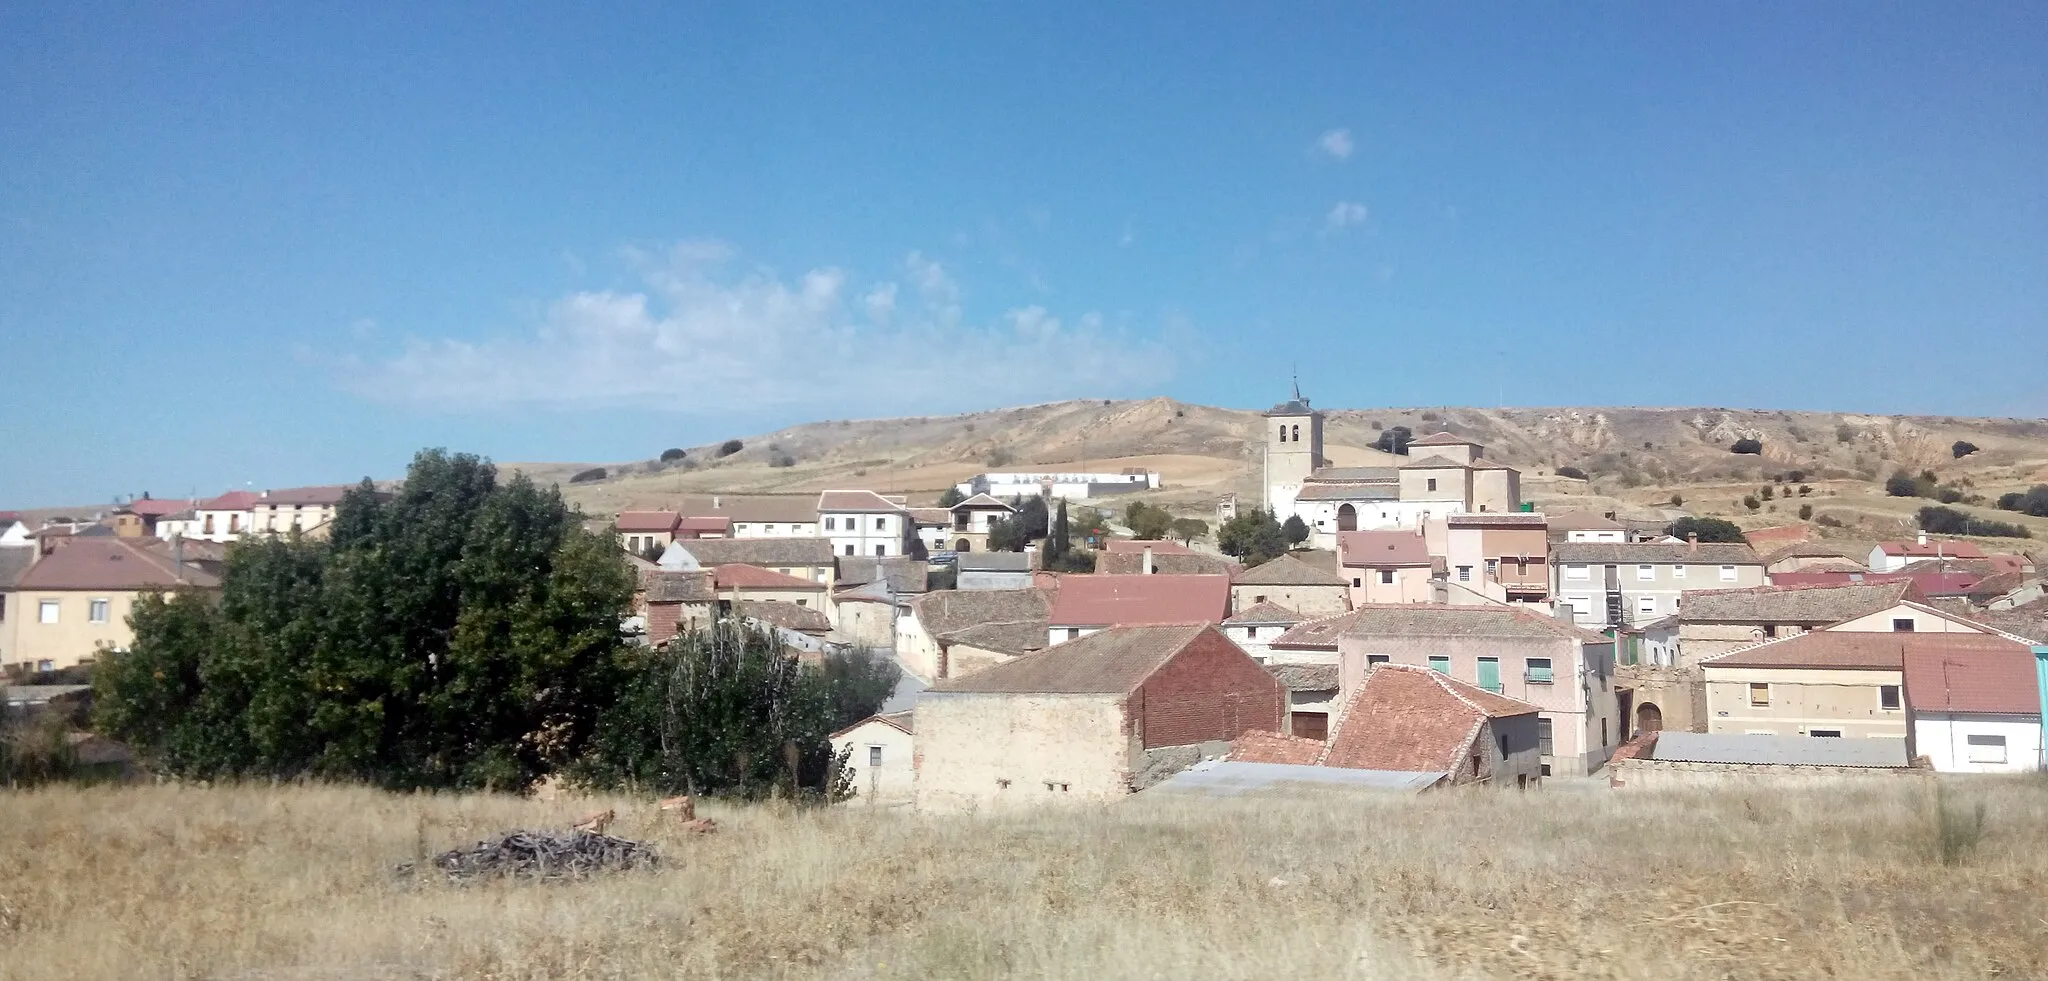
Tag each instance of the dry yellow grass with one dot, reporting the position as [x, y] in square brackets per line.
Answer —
[294, 882]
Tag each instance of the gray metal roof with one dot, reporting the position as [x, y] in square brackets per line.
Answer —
[1729, 747]
[993, 562]
[38, 694]
[1229, 778]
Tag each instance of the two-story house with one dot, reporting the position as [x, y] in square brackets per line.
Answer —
[300, 509]
[644, 531]
[751, 516]
[1614, 585]
[971, 519]
[1504, 557]
[1841, 684]
[1585, 526]
[861, 522]
[74, 602]
[1386, 566]
[1893, 556]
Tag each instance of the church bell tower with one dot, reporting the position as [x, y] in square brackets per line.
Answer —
[1294, 450]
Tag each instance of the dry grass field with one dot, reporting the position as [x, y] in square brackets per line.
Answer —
[1824, 880]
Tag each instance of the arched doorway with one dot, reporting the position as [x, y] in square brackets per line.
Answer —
[1347, 518]
[1649, 718]
[963, 545]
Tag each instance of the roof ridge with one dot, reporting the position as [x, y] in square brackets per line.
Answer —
[1987, 628]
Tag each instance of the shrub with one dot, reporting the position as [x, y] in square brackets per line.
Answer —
[1804, 490]
[594, 473]
[672, 454]
[1572, 472]
[1828, 521]
[1678, 500]
[1956, 832]
[1752, 447]
[1902, 484]
[2033, 501]
[781, 458]
[729, 447]
[1767, 492]
[1845, 433]
[1430, 417]
[1949, 521]
[1709, 529]
[1751, 502]
[1795, 476]
[1805, 512]
[1963, 448]
[1948, 495]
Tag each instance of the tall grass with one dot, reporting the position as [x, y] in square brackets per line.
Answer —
[1819, 880]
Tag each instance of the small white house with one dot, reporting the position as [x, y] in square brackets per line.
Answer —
[878, 756]
[1257, 627]
[1979, 713]
[865, 523]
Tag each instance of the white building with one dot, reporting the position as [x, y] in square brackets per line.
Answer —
[879, 758]
[14, 532]
[1893, 556]
[1979, 713]
[1588, 526]
[860, 522]
[1066, 485]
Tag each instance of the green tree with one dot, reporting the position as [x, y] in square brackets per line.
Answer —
[1189, 529]
[1963, 448]
[857, 682]
[950, 497]
[1006, 535]
[1708, 529]
[1058, 544]
[1805, 512]
[729, 447]
[672, 454]
[1032, 518]
[1949, 521]
[1296, 529]
[1253, 537]
[1678, 500]
[1394, 440]
[1147, 522]
[464, 633]
[1747, 446]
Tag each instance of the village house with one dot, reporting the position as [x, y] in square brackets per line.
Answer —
[754, 515]
[1610, 585]
[739, 583]
[14, 532]
[880, 760]
[1829, 683]
[1388, 566]
[1584, 526]
[1070, 486]
[1085, 605]
[1818, 556]
[860, 522]
[971, 519]
[932, 642]
[138, 518]
[1407, 719]
[676, 602]
[1980, 712]
[872, 594]
[992, 570]
[932, 528]
[1141, 557]
[804, 558]
[224, 518]
[1565, 671]
[1292, 583]
[1716, 621]
[643, 531]
[306, 510]
[1255, 627]
[1089, 721]
[1503, 557]
[1312, 692]
[73, 603]
[1893, 556]
[1740, 760]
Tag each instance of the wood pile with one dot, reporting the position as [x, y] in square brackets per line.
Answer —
[539, 855]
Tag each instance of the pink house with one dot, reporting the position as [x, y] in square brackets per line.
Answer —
[1386, 566]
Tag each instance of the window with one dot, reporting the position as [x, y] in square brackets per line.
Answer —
[46, 611]
[1357, 582]
[1489, 673]
[1386, 577]
[874, 756]
[1678, 572]
[96, 611]
[828, 524]
[1646, 605]
[1297, 434]
[1073, 633]
[1645, 573]
[768, 529]
[1475, 764]
[1258, 599]
[849, 550]
[881, 524]
[881, 550]
[1440, 664]
[234, 524]
[1770, 630]
[1493, 568]
[1432, 483]
[1985, 748]
[1577, 572]
[1603, 732]
[803, 602]
[1539, 671]
[1825, 733]
[1283, 432]
[1543, 745]
[1251, 633]
[1888, 697]
[1727, 573]
[1759, 694]
[1464, 573]
[1902, 625]
[1372, 659]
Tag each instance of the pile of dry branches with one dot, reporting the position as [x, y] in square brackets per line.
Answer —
[540, 855]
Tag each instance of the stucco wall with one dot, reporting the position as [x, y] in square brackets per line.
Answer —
[1699, 641]
[865, 624]
[1410, 585]
[916, 649]
[1308, 600]
[1944, 739]
[994, 580]
[73, 639]
[1802, 699]
[1923, 622]
[895, 781]
[1680, 695]
[1639, 774]
[991, 752]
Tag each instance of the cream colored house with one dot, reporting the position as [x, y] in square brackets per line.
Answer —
[880, 758]
[74, 602]
[1830, 683]
[804, 558]
[300, 509]
[1716, 621]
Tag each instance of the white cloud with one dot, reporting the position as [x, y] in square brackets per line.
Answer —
[703, 337]
[1336, 144]
[1344, 214]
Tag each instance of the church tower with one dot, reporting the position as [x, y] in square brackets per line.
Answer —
[1294, 450]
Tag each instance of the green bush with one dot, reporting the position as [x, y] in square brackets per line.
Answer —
[1572, 472]
[1753, 447]
[586, 476]
[1963, 448]
[1709, 529]
[672, 454]
[729, 447]
[1948, 521]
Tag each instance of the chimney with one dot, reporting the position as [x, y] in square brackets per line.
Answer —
[1692, 541]
[1923, 538]
[178, 554]
[1148, 560]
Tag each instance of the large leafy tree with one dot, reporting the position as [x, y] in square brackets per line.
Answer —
[1709, 529]
[1253, 537]
[461, 633]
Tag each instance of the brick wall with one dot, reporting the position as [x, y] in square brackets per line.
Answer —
[1211, 690]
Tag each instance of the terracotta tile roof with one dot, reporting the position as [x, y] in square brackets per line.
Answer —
[240, 500]
[770, 508]
[1815, 604]
[321, 496]
[1305, 677]
[1934, 584]
[788, 616]
[1349, 492]
[900, 721]
[680, 587]
[1434, 620]
[1170, 564]
[1267, 612]
[155, 507]
[116, 564]
[1851, 651]
[1010, 637]
[1857, 552]
[647, 520]
[1114, 661]
[1442, 438]
[1381, 549]
[14, 562]
[1763, 539]
[982, 502]
[1102, 600]
[902, 573]
[1509, 519]
[2028, 620]
[1935, 548]
[1583, 521]
[858, 501]
[1413, 719]
[1287, 571]
[760, 551]
[1136, 546]
[942, 611]
[1260, 746]
[1633, 553]
[939, 517]
[1338, 475]
[1835, 577]
[737, 575]
[1433, 461]
[2001, 682]
[709, 524]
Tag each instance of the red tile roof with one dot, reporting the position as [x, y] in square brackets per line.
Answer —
[1138, 545]
[1382, 548]
[153, 507]
[1259, 746]
[1851, 651]
[240, 500]
[112, 564]
[1114, 661]
[755, 577]
[1934, 547]
[1413, 719]
[701, 525]
[1990, 682]
[1100, 600]
[647, 521]
[861, 501]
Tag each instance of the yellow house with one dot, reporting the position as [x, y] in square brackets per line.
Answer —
[75, 602]
[1829, 683]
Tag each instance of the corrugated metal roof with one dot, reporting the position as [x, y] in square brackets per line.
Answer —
[1729, 747]
[1229, 778]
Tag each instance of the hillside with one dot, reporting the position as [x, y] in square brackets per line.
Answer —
[1637, 458]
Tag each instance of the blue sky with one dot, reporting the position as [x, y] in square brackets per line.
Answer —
[288, 244]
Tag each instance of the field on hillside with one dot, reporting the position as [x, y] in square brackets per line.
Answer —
[1818, 880]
